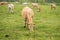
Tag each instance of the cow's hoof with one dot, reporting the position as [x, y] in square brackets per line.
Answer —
[24, 26]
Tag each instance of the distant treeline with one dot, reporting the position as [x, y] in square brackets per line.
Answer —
[38, 1]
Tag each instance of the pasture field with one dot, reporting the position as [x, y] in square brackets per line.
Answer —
[47, 24]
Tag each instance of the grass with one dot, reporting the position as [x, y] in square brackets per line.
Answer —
[47, 24]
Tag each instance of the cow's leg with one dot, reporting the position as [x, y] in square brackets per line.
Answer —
[38, 9]
[54, 8]
[25, 23]
[9, 9]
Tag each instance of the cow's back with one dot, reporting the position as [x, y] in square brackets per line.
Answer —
[27, 12]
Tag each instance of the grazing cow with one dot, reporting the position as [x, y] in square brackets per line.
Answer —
[11, 7]
[53, 6]
[3, 3]
[36, 5]
[27, 14]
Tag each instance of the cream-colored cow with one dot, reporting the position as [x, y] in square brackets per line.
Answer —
[27, 14]
[53, 6]
[3, 3]
[37, 6]
[10, 7]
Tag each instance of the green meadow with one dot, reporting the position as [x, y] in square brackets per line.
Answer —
[47, 24]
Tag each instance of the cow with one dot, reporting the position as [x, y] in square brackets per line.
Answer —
[53, 6]
[3, 3]
[37, 6]
[27, 14]
[10, 7]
